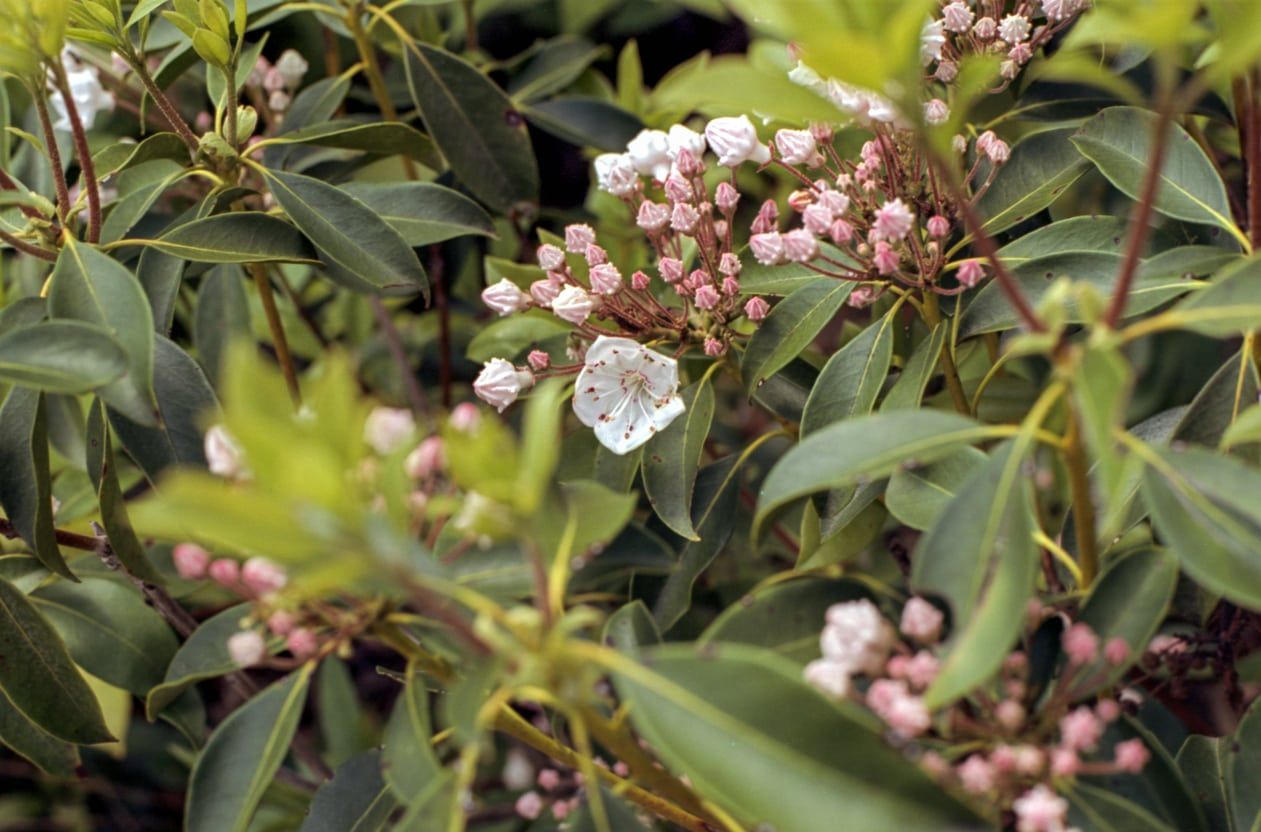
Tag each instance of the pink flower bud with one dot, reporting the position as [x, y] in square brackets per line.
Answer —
[263, 577]
[1010, 714]
[976, 774]
[893, 221]
[726, 197]
[957, 17]
[649, 152]
[1108, 710]
[562, 808]
[714, 347]
[652, 216]
[505, 297]
[225, 572]
[671, 269]
[678, 190]
[970, 273]
[549, 779]
[985, 28]
[204, 122]
[735, 141]
[800, 246]
[768, 248]
[886, 259]
[302, 643]
[577, 237]
[1040, 809]
[247, 648]
[938, 226]
[687, 163]
[223, 456]
[596, 255]
[936, 111]
[573, 304]
[1131, 756]
[1029, 760]
[862, 297]
[1064, 762]
[816, 219]
[730, 286]
[946, 72]
[190, 561]
[464, 417]
[427, 458]
[1080, 643]
[1080, 729]
[499, 383]
[538, 360]
[605, 279]
[550, 258]
[274, 80]
[543, 292]
[798, 147]
[841, 232]
[281, 623]
[756, 309]
[529, 805]
[707, 297]
[615, 173]
[1116, 651]
[640, 281]
[684, 218]
[729, 264]
[387, 428]
[800, 199]
[766, 219]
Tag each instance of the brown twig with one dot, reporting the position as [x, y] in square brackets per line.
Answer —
[28, 248]
[54, 155]
[86, 168]
[279, 342]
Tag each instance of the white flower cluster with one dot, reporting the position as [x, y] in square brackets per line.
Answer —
[657, 153]
[856, 640]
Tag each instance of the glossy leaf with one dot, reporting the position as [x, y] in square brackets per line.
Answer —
[422, 212]
[864, 448]
[38, 676]
[917, 496]
[852, 378]
[672, 458]
[753, 738]
[631, 627]
[980, 558]
[785, 617]
[1040, 169]
[356, 799]
[243, 755]
[790, 327]
[1097, 234]
[358, 248]
[475, 125]
[37, 746]
[1243, 767]
[61, 357]
[1203, 762]
[203, 656]
[1230, 305]
[1118, 140]
[26, 488]
[383, 138]
[239, 237]
[908, 390]
[103, 473]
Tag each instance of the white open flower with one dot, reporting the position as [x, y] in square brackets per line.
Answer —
[626, 393]
[681, 137]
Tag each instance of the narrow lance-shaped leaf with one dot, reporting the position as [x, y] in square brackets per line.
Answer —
[408, 759]
[104, 476]
[790, 327]
[1040, 169]
[26, 487]
[908, 390]
[239, 237]
[243, 755]
[852, 378]
[60, 357]
[672, 458]
[39, 678]
[28, 740]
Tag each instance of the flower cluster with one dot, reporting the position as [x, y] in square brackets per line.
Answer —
[1014, 30]
[1012, 756]
[278, 82]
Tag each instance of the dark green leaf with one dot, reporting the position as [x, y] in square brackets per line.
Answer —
[26, 488]
[1102, 811]
[917, 496]
[222, 316]
[118, 157]
[39, 678]
[89, 286]
[631, 627]
[555, 65]
[477, 127]
[339, 712]
[382, 138]
[852, 378]
[358, 248]
[356, 799]
[240, 237]
[28, 740]
[424, 213]
[908, 390]
[790, 327]
[1202, 762]
[1040, 169]
[1228, 306]
[1243, 767]
[203, 656]
[585, 121]
[671, 460]
[61, 357]
[243, 755]
[100, 463]
[1096, 234]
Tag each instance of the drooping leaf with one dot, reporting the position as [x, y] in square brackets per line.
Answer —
[39, 678]
[790, 327]
[243, 755]
[40, 748]
[475, 125]
[755, 739]
[672, 458]
[908, 390]
[103, 474]
[26, 487]
[358, 248]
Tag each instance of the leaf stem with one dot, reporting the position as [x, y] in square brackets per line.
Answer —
[86, 167]
[54, 155]
[1083, 504]
[279, 342]
[376, 81]
[398, 353]
[172, 116]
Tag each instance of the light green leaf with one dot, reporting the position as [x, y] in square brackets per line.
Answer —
[790, 327]
[852, 378]
[411, 766]
[1243, 767]
[918, 496]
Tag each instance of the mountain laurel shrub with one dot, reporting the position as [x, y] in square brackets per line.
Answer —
[873, 444]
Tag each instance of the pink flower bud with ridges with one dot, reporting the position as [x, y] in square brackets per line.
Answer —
[756, 309]
[538, 360]
[302, 643]
[190, 561]
[707, 297]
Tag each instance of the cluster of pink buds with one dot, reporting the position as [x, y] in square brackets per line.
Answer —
[563, 794]
[1014, 30]
[279, 81]
[1013, 757]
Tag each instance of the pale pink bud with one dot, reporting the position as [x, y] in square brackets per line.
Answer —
[1014, 28]
[544, 292]
[921, 669]
[499, 383]
[800, 199]
[1116, 650]
[387, 428]
[1029, 759]
[562, 808]
[720, 229]
[1003, 759]
[281, 623]
[688, 164]
[684, 218]
[223, 456]
[816, 219]
[1020, 54]
[936, 111]
[1064, 762]
[1107, 709]
[893, 221]
[678, 190]
[605, 280]
[714, 347]
[573, 304]
[766, 218]
[1010, 714]
[577, 237]
[998, 152]
[938, 226]
[550, 257]
[225, 572]
[798, 147]
[696, 279]
[829, 677]
[615, 173]
[756, 309]
[734, 140]
[957, 17]
[729, 264]
[426, 459]
[1080, 729]
[518, 771]
[292, 67]
[640, 281]
[946, 71]
[959, 144]
[970, 273]
[1131, 756]
[203, 122]
[595, 255]
[652, 216]
[841, 232]
[682, 138]
[976, 774]
[505, 297]
[768, 248]
[886, 259]
[549, 779]
[671, 269]
[247, 648]
[529, 805]
[279, 101]
[464, 417]
[1040, 809]
[985, 28]
[726, 197]
[800, 246]
[273, 80]
[190, 561]
[302, 643]
[862, 297]
[262, 576]
[538, 360]
[707, 297]
[1080, 643]
[730, 286]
